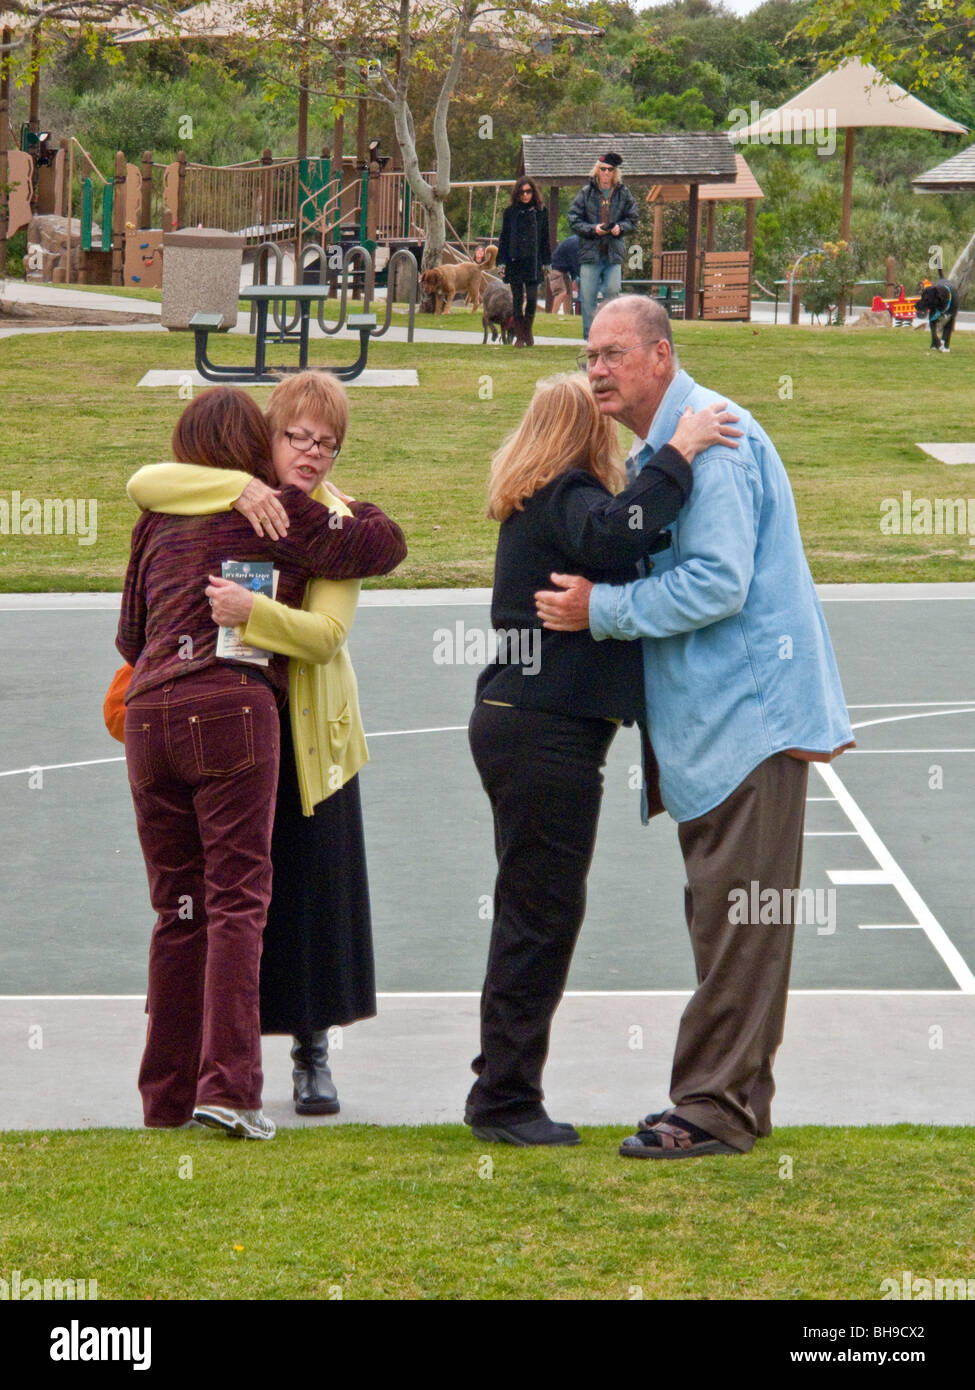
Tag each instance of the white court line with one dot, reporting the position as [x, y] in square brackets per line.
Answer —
[890, 926]
[865, 751]
[446, 729]
[893, 874]
[900, 718]
[94, 762]
[56, 767]
[912, 704]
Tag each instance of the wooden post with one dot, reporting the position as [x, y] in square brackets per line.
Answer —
[848, 144]
[181, 189]
[145, 217]
[361, 134]
[657, 254]
[553, 240]
[709, 234]
[890, 270]
[66, 274]
[4, 162]
[118, 220]
[750, 207]
[690, 269]
[339, 135]
[266, 215]
[371, 179]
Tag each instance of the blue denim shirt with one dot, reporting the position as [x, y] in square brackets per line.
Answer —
[737, 657]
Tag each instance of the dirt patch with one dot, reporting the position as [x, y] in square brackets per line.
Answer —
[16, 312]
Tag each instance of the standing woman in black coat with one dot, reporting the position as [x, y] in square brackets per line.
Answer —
[548, 708]
[523, 252]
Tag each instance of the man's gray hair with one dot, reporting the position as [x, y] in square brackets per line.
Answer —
[649, 318]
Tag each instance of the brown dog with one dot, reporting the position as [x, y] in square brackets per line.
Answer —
[443, 282]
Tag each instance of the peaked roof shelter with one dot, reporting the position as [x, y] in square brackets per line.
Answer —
[684, 157]
[955, 175]
[850, 97]
[745, 189]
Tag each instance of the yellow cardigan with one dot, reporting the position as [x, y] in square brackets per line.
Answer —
[326, 725]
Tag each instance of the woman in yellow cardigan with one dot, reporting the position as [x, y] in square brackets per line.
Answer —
[317, 963]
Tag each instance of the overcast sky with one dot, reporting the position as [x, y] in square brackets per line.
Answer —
[739, 6]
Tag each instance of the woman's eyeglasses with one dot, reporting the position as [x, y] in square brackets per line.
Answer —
[304, 443]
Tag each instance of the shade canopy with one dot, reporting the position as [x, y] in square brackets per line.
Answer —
[852, 96]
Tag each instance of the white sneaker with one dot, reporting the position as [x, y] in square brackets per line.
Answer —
[241, 1124]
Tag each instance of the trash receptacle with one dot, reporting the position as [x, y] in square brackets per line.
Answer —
[201, 274]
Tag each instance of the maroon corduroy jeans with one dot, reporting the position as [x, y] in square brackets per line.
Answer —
[202, 755]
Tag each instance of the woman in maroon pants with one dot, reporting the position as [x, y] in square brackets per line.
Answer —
[202, 748]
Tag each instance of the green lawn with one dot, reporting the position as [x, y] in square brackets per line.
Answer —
[429, 1213]
[75, 425]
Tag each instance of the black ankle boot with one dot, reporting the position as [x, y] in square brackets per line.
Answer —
[314, 1092]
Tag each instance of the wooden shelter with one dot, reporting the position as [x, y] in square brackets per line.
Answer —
[955, 175]
[690, 158]
[725, 276]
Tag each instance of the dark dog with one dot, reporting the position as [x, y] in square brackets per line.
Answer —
[940, 303]
[497, 311]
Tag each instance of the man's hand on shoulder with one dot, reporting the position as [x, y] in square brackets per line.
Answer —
[565, 609]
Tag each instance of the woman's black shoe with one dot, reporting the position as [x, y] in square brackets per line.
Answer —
[314, 1092]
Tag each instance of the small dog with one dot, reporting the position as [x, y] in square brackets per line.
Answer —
[498, 312]
[940, 303]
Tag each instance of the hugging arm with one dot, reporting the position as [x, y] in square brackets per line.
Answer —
[718, 534]
[603, 532]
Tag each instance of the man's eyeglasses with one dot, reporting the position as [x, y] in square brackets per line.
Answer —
[611, 356]
[304, 443]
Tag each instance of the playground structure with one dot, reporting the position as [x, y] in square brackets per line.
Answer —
[117, 222]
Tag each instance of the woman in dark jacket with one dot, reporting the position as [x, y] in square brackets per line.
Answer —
[547, 710]
[602, 215]
[523, 251]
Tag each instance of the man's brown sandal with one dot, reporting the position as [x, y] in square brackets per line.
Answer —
[672, 1138]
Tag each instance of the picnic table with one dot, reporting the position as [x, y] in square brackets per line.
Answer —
[304, 296]
[670, 294]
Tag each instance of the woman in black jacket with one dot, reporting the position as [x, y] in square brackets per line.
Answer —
[547, 709]
[523, 252]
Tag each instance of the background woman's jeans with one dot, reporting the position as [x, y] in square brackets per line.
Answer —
[202, 755]
[599, 275]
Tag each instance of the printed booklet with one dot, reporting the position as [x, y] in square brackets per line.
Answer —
[262, 578]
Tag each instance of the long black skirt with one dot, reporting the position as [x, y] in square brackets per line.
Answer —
[317, 964]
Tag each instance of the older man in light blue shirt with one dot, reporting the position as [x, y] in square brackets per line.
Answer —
[742, 691]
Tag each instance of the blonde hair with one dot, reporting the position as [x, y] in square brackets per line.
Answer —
[561, 429]
[617, 178]
[318, 396]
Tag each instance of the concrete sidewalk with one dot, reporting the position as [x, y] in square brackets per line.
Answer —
[68, 297]
[848, 1058]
